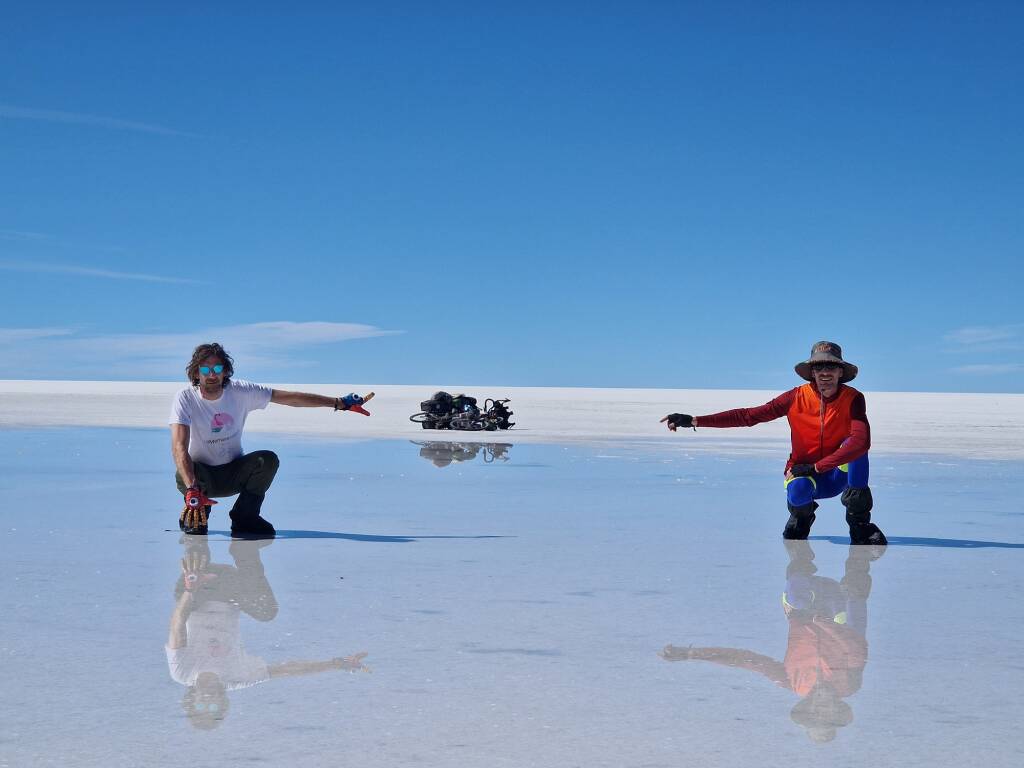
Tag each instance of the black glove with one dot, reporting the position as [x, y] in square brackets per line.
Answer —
[684, 420]
[802, 470]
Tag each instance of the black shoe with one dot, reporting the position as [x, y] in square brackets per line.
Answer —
[867, 533]
[252, 528]
[246, 522]
[801, 518]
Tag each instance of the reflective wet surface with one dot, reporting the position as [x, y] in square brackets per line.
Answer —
[517, 605]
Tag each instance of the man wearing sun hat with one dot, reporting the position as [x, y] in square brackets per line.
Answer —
[830, 441]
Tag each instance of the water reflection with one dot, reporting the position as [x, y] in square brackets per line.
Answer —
[205, 652]
[441, 453]
[827, 648]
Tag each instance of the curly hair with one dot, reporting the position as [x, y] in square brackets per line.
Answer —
[204, 351]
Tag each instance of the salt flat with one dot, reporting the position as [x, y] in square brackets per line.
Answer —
[966, 425]
[514, 601]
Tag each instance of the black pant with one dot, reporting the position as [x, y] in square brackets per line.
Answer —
[251, 473]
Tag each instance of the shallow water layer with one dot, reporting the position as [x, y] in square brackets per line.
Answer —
[516, 605]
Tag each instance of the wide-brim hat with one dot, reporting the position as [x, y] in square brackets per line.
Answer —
[826, 352]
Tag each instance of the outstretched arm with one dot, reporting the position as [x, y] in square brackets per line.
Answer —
[739, 417]
[350, 402]
[731, 657]
[301, 399]
[353, 663]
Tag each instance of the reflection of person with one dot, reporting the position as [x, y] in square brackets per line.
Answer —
[206, 421]
[827, 650]
[830, 435]
[441, 453]
[204, 647]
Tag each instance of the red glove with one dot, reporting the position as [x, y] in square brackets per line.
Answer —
[195, 498]
[353, 402]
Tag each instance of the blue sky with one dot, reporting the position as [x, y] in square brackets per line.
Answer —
[593, 194]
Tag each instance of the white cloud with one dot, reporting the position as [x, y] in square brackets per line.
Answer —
[273, 348]
[975, 335]
[70, 269]
[989, 369]
[13, 112]
[17, 335]
[19, 236]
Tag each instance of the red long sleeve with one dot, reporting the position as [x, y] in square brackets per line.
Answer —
[748, 417]
[855, 446]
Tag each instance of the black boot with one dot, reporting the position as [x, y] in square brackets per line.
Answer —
[800, 521]
[801, 558]
[858, 503]
[246, 522]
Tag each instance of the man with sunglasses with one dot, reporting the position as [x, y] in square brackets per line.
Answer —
[206, 422]
[830, 436]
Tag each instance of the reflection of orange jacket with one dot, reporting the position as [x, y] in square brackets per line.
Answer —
[818, 427]
[821, 650]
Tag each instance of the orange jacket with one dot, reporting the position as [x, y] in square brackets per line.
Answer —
[818, 427]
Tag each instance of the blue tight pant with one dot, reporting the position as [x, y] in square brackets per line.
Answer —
[804, 490]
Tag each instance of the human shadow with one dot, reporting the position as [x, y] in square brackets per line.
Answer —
[918, 541]
[365, 537]
[827, 647]
[205, 652]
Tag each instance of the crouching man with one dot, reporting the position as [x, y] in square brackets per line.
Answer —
[206, 422]
[830, 435]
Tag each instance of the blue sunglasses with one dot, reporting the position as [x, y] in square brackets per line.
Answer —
[205, 369]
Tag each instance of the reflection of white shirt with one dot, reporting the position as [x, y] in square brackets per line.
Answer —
[214, 645]
[215, 426]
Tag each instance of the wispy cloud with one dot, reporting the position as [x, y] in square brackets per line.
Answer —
[23, 237]
[13, 112]
[1002, 342]
[271, 349]
[71, 269]
[973, 336]
[989, 369]
[16, 335]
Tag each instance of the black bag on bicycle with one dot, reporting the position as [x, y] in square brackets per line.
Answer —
[437, 411]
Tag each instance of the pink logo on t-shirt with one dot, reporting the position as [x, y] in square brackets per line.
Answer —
[221, 420]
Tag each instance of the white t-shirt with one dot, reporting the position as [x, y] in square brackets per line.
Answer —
[214, 645]
[215, 426]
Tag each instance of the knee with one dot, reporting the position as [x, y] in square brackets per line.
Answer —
[800, 491]
[857, 501]
[268, 462]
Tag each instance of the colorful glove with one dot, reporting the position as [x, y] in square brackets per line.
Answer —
[352, 402]
[802, 470]
[675, 653]
[193, 567]
[353, 663]
[675, 420]
[195, 498]
[196, 513]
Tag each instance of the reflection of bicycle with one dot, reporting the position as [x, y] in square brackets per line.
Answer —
[442, 454]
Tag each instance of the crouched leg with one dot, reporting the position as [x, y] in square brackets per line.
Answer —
[800, 500]
[858, 503]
